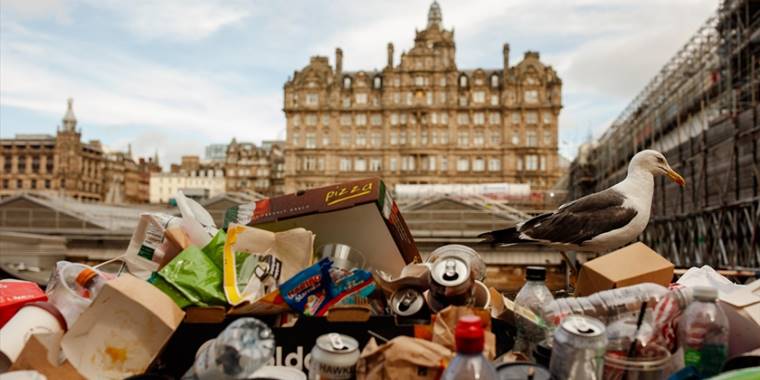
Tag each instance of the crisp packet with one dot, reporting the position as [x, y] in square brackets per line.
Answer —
[307, 292]
[194, 275]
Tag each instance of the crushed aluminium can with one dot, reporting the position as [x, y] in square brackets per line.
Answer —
[578, 349]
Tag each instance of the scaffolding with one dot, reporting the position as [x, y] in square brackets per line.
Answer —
[701, 111]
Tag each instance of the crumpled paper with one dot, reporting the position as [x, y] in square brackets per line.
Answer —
[445, 323]
[402, 357]
[707, 276]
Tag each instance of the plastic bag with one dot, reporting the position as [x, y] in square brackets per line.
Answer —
[195, 275]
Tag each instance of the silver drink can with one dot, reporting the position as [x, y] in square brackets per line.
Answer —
[450, 283]
[407, 302]
[578, 349]
[334, 357]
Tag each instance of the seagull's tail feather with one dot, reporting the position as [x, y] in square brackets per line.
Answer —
[505, 236]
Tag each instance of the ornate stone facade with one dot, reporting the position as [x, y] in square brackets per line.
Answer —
[261, 169]
[423, 120]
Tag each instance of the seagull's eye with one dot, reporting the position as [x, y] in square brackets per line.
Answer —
[660, 160]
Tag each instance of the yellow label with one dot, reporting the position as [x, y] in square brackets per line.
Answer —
[345, 193]
[228, 262]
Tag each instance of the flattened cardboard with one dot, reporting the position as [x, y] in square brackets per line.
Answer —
[630, 265]
[742, 307]
[34, 356]
[123, 330]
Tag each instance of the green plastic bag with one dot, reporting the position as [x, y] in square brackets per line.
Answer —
[169, 290]
[215, 249]
[196, 276]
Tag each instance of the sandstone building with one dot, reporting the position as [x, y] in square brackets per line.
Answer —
[423, 120]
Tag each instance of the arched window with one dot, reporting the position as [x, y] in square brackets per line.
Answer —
[494, 81]
[463, 81]
[347, 82]
[378, 82]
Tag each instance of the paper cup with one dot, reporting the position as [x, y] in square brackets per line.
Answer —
[33, 318]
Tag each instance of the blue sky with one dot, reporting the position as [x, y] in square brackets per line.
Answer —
[175, 75]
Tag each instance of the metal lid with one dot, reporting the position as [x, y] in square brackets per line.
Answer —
[471, 256]
[705, 293]
[535, 274]
[581, 325]
[450, 271]
[407, 301]
[337, 343]
[521, 371]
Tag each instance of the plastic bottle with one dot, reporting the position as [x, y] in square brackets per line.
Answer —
[469, 362]
[239, 351]
[703, 332]
[605, 305]
[88, 283]
[533, 296]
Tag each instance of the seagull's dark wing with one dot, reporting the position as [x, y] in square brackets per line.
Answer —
[580, 220]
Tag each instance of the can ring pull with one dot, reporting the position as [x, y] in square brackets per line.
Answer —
[337, 342]
[450, 270]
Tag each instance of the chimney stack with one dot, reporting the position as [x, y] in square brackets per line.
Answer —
[390, 55]
[338, 61]
[505, 52]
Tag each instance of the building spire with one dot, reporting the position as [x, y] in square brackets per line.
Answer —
[435, 17]
[69, 120]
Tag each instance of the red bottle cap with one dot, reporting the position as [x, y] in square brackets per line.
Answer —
[470, 338]
[85, 276]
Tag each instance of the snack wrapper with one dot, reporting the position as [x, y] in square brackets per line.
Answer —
[307, 292]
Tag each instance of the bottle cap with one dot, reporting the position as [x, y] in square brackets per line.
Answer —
[469, 335]
[85, 276]
[705, 293]
[536, 274]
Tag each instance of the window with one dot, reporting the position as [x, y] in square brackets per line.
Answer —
[423, 138]
[463, 119]
[494, 100]
[494, 81]
[311, 119]
[547, 137]
[494, 118]
[361, 119]
[531, 162]
[312, 99]
[375, 165]
[361, 139]
[463, 100]
[479, 118]
[463, 81]
[444, 164]
[430, 98]
[515, 118]
[444, 118]
[325, 120]
[530, 138]
[409, 98]
[377, 83]
[320, 164]
[360, 165]
[393, 163]
[478, 139]
[376, 139]
[394, 118]
[444, 137]
[402, 119]
[442, 97]
[531, 118]
[547, 117]
[519, 164]
[5, 183]
[407, 163]
[494, 164]
[495, 138]
[419, 81]
[434, 139]
[478, 97]
[478, 165]
[361, 98]
[346, 102]
[397, 81]
[531, 96]
[311, 140]
[463, 164]
[34, 184]
[295, 139]
[543, 163]
[433, 118]
[463, 138]
[516, 138]
[394, 138]
[442, 82]
[396, 98]
[402, 137]
[376, 119]
[345, 119]
[296, 120]
[431, 163]
[309, 163]
[346, 82]
[326, 139]
[47, 184]
[345, 139]
[345, 164]
[20, 184]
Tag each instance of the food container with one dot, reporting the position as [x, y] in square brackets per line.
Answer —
[32, 318]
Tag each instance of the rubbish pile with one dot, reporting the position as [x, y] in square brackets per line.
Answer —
[328, 284]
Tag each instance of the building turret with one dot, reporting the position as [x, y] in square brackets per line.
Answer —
[69, 120]
[435, 17]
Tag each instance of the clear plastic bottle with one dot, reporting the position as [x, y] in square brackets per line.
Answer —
[239, 351]
[703, 332]
[533, 296]
[88, 283]
[469, 362]
[605, 305]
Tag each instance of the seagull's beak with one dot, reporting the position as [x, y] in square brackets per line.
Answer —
[675, 177]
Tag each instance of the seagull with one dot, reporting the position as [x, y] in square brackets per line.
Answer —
[598, 222]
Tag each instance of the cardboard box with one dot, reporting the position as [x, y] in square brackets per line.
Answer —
[37, 356]
[122, 332]
[631, 265]
[361, 214]
[742, 307]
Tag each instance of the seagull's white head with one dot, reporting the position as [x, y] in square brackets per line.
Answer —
[654, 162]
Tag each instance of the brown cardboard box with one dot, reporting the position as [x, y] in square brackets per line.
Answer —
[742, 307]
[35, 356]
[627, 266]
[122, 332]
[361, 214]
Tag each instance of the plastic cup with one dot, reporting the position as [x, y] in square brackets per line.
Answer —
[343, 256]
[32, 318]
[649, 366]
[61, 291]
